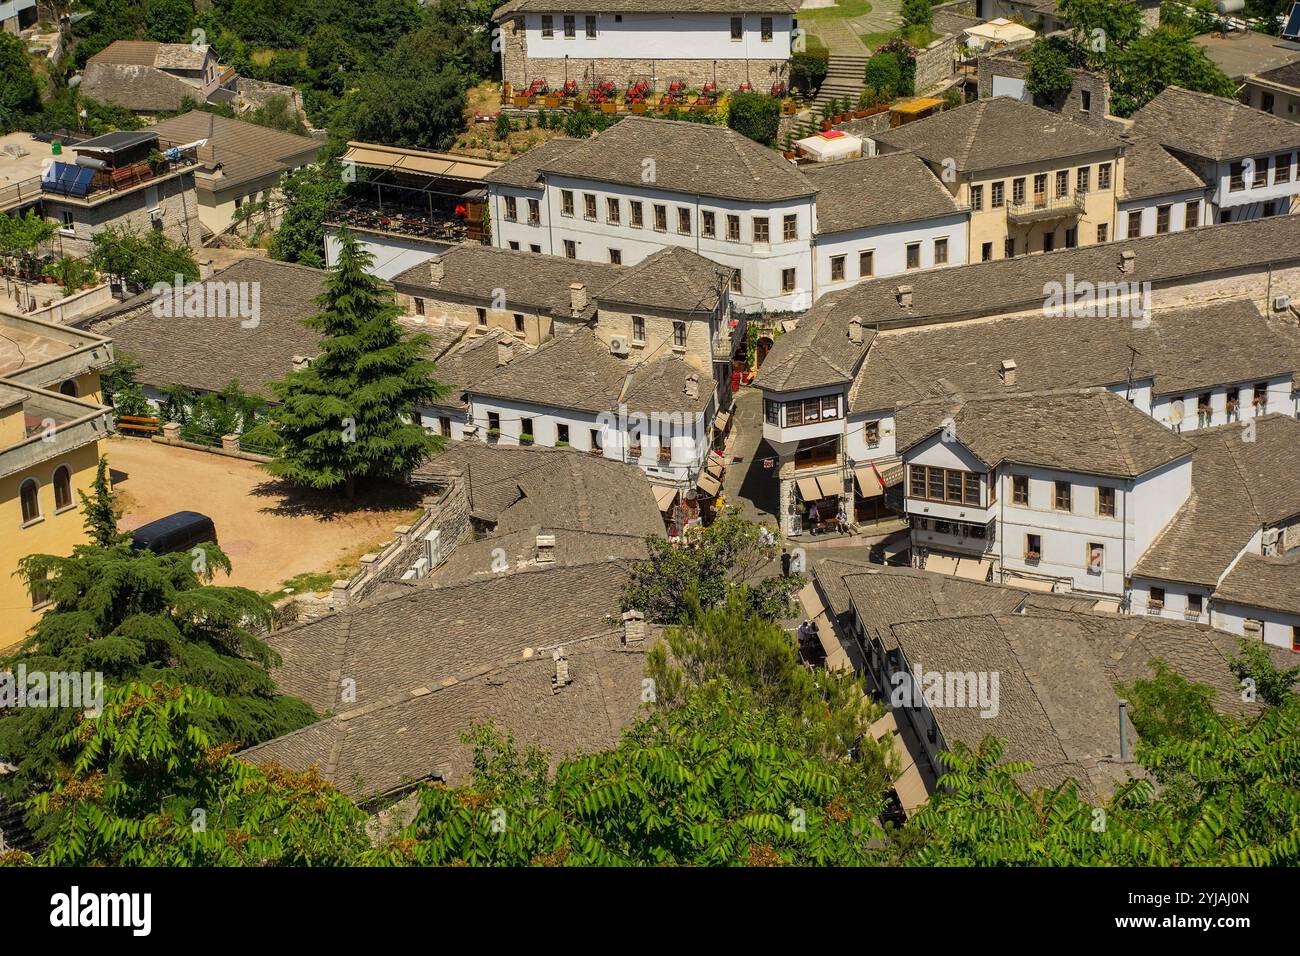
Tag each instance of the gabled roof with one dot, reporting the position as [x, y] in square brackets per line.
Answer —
[1212, 127]
[1180, 350]
[816, 354]
[430, 663]
[574, 370]
[1091, 432]
[997, 132]
[1257, 581]
[877, 191]
[668, 384]
[513, 487]
[1150, 171]
[245, 151]
[689, 158]
[1286, 75]
[207, 353]
[139, 88]
[1238, 487]
[529, 281]
[1006, 285]
[673, 279]
[174, 56]
[470, 361]
[522, 171]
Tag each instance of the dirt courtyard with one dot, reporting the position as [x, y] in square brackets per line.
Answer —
[271, 533]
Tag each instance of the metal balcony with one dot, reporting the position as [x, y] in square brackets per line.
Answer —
[1042, 209]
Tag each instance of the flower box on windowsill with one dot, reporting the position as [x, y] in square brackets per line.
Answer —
[1155, 608]
[1033, 557]
[525, 439]
[561, 444]
[665, 454]
[634, 452]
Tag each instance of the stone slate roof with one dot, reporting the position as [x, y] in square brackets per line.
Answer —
[1285, 75]
[816, 353]
[1181, 350]
[206, 354]
[1005, 285]
[1257, 581]
[1150, 171]
[877, 191]
[513, 487]
[481, 559]
[175, 56]
[139, 88]
[464, 366]
[1238, 487]
[573, 370]
[434, 662]
[429, 634]
[649, 6]
[1091, 431]
[245, 151]
[996, 132]
[691, 158]
[523, 170]
[673, 279]
[660, 385]
[1212, 127]
[532, 282]
[1056, 706]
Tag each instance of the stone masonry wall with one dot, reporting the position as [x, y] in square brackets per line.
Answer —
[520, 69]
[935, 64]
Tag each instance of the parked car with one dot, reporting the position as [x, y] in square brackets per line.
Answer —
[176, 532]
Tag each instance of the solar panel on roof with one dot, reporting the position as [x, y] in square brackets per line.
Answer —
[1292, 29]
[68, 180]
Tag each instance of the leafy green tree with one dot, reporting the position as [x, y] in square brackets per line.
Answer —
[1099, 28]
[716, 781]
[138, 616]
[309, 194]
[347, 416]
[1159, 59]
[149, 786]
[1255, 669]
[917, 13]
[101, 509]
[423, 111]
[730, 646]
[755, 115]
[142, 261]
[169, 21]
[1169, 706]
[730, 553]
[809, 68]
[1050, 60]
[19, 93]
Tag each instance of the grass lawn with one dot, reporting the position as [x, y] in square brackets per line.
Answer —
[877, 39]
[843, 10]
[918, 37]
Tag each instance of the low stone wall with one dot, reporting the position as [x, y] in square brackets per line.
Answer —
[404, 556]
[229, 447]
[61, 311]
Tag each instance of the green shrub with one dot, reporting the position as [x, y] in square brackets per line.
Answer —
[755, 115]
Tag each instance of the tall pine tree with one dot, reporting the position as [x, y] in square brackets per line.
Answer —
[349, 415]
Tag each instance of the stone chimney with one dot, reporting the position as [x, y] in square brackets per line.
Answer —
[577, 298]
[561, 678]
[545, 549]
[1008, 372]
[505, 350]
[435, 271]
[300, 362]
[205, 269]
[904, 296]
[1127, 261]
[633, 627]
[857, 330]
[692, 385]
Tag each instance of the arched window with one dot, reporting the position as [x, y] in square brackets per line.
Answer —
[30, 501]
[70, 388]
[62, 488]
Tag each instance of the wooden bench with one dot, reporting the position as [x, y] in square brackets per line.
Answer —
[139, 425]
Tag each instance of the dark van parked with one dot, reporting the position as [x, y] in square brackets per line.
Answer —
[178, 532]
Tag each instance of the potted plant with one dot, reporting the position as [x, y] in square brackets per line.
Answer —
[525, 438]
[561, 444]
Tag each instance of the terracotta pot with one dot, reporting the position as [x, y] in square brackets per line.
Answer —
[825, 125]
[789, 154]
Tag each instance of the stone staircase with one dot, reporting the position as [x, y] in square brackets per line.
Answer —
[843, 78]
